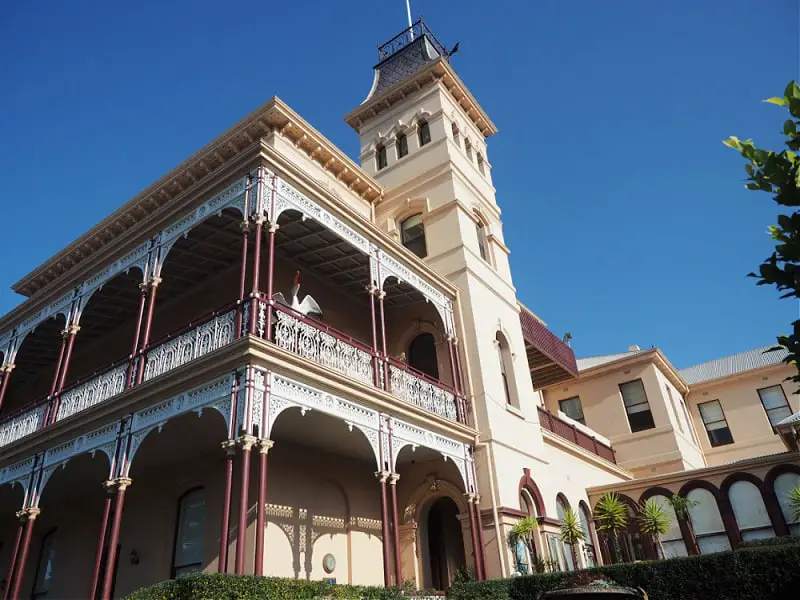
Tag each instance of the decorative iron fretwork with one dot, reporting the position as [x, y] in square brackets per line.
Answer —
[413, 389]
[93, 392]
[25, 424]
[303, 338]
[193, 344]
[406, 37]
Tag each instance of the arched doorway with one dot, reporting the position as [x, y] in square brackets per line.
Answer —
[445, 542]
[422, 355]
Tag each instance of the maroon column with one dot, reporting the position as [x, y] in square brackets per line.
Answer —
[73, 331]
[273, 227]
[137, 335]
[481, 540]
[256, 274]
[60, 360]
[261, 511]
[398, 568]
[101, 542]
[241, 535]
[372, 290]
[382, 314]
[111, 556]
[151, 307]
[475, 544]
[14, 553]
[22, 558]
[689, 538]
[3, 386]
[387, 564]
[230, 450]
[242, 277]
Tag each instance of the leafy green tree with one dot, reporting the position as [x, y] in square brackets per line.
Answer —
[571, 533]
[778, 173]
[612, 516]
[654, 520]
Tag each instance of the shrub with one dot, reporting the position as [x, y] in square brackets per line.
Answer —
[770, 542]
[746, 574]
[216, 586]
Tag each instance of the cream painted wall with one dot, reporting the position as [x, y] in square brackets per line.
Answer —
[747, 419]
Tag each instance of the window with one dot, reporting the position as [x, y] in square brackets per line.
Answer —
[424, 133]
[566, 550]
[506, 370]
[774, 401]
[422, 355]
[716, 426]
[707, 522]
[402, 145]
[572, 408]
[480, 164]
[750, 511]
[588, 541]
[456, 135]
[672, 542]
[483, 243]
[468, 148]
[784, 483]
[636, 405]
[412, 235]
[380, 157]
[189, 534]
[44, 567]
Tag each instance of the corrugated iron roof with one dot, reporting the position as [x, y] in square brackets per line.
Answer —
[730, 365]
[595, 361]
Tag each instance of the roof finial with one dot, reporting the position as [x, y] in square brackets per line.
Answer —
[410, 22]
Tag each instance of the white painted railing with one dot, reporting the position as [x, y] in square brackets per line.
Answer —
[203, 339]
[22, 425]
[92, 392]
[415, 390]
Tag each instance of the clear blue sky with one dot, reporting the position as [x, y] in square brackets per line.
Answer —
[626, 216]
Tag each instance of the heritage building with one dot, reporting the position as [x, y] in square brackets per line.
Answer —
[277, 361]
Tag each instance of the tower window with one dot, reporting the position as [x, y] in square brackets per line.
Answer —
[480, 164]
[719, 434]
[468, 148]
[506, 369]
[483, 242]
[456, 135]
[380, 157]
[636, 405]
[412, 235]
[424, 133]
[402, 145]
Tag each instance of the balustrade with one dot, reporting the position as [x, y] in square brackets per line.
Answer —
[23, 424]
[93, 391]
[415, 388]
[571, 433]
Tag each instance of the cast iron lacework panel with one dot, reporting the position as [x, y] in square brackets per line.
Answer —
[421, 393]
[94, 391]
[25, 424]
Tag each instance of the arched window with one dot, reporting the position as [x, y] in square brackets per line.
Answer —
[782, 486]
[422, 355]
[412, 235]
[750, 511]
[468, 148]
[424, 133]
[672, 541]
[380, 157]
[44, 567]
[565, 558]
[506, 369]
[188, 555]
[483, 242]
[589, 551]
[480, 164]
[456, 134]
[707, 522]
[402, 145]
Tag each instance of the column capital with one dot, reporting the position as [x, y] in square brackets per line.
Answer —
[273, 227]
[393, 478]
[247, 441]
[7, 368]
[371, 289]
[452, 338]
[71, 330]
[470, 497]
[382, 476]
[264, 445]
[229, 446]
[123, 482]
[28, 513]
[244, 226]
[259, 219]
[154, 281]
[381, 294]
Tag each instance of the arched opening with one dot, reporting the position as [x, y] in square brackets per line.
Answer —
[11, 499]
[482, 239]
[709, 529]
[783, 485]
[412, 235]
[381, 159]
[401, 144]
[672, 541]
[445, 542]
[589, 549]
[422, 355]
[468, 148]
[35, 367]
[750, 511]
[189, 547]
[456, 135]
[424, 131]
[527, 552]
[566, 553]
[506, 369]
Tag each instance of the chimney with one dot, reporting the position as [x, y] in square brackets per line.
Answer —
[633, 348]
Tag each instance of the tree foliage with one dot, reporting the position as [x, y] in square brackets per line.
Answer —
[654, 519]
[778, 173]
[611, 513]
[794, 503]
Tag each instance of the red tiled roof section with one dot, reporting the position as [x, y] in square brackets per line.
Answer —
[547, 347]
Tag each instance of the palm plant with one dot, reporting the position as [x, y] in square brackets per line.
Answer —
[654, 520]
[523, 531]
[612, 516]
[681, 506]
[571, 532]
[794, 502]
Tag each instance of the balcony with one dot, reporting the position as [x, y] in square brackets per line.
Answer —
[573, 434]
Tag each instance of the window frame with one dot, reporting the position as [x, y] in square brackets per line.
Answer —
[483, 239]
[424, 133]
[174, 567]
[481, 163]
[582, 420]
[48, 537]
[456, 133]
[764, 406]
[401, 145]
[646, 402]
[381, 157]
[724, 420]
[506, 369]
[468, 148]
[405, 242]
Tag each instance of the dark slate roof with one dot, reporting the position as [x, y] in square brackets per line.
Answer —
[731, 365]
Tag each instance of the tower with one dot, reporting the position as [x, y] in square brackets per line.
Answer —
[424, 138]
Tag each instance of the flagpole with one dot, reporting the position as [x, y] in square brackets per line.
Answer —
[410, 22]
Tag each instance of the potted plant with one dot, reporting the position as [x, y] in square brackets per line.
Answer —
[571, 533]
[520, 538]
[654, 520]
[611, 514]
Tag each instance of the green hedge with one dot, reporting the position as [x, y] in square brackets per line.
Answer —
[215, 586]
[748, 574]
